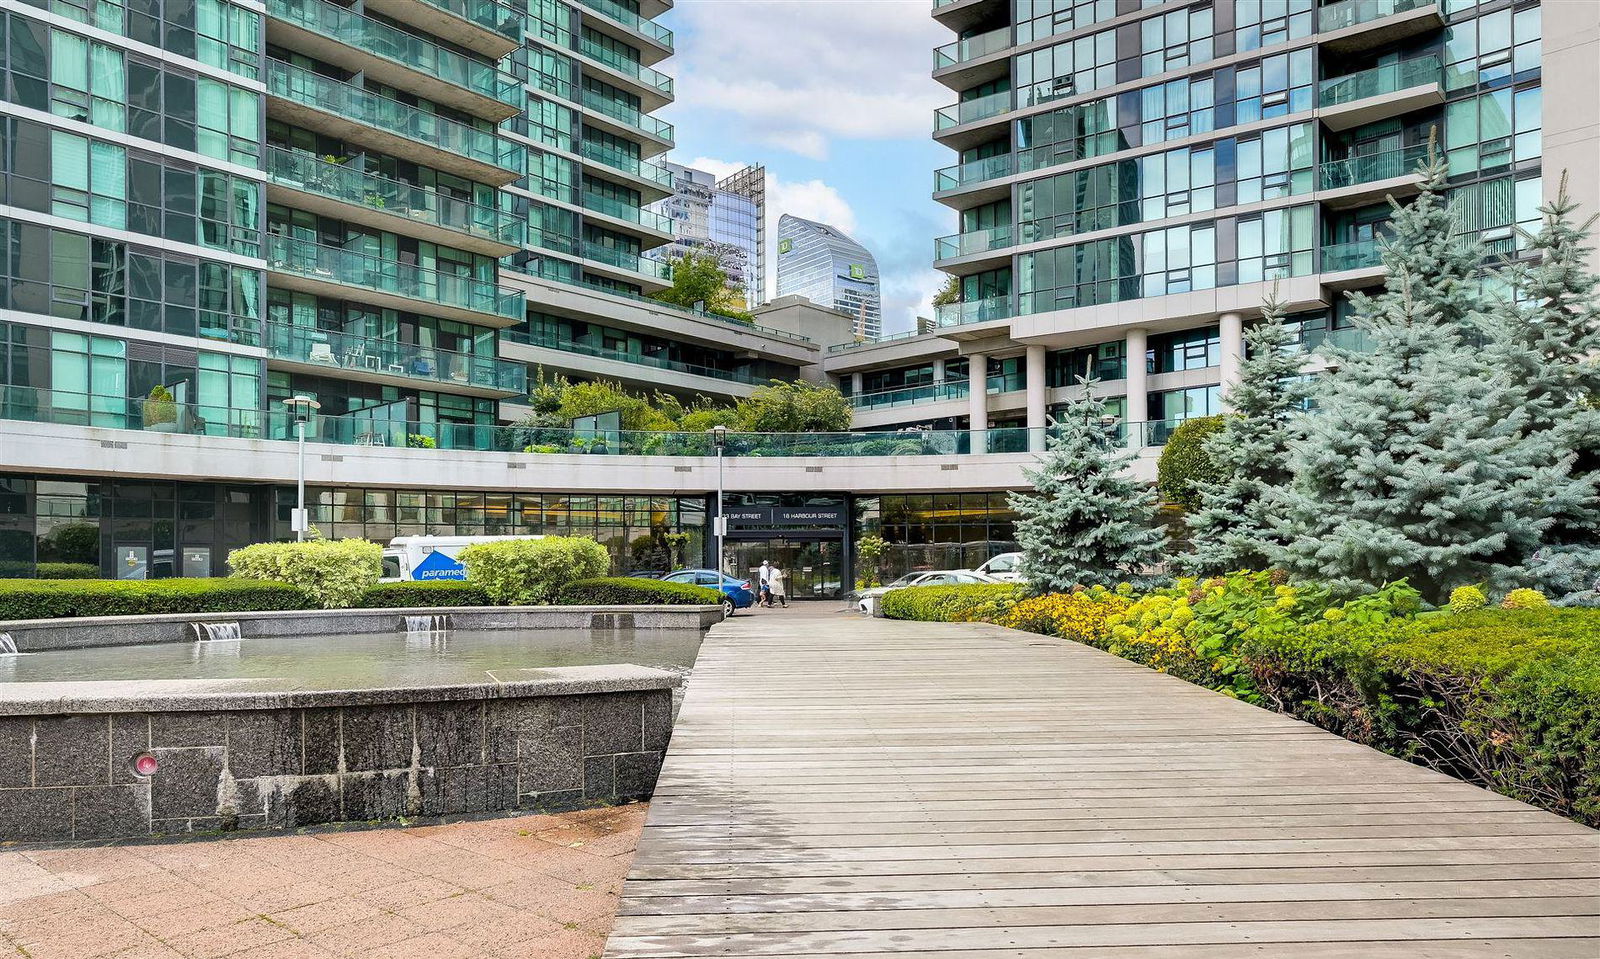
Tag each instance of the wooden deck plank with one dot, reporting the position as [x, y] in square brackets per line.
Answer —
[840, 787]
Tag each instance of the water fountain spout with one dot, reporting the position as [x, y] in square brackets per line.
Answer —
[212, 632]
[8, 646]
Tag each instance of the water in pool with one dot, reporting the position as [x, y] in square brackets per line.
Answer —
[358, 661]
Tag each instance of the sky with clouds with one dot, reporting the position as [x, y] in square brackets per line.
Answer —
[835, 98]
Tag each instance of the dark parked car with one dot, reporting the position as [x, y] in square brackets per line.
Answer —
[736, 593]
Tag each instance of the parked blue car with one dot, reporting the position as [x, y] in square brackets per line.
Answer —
[736, 593]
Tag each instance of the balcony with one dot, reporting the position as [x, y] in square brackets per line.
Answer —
[650, 221]
[1368, 179]
[652, 179]
[972, 61]
[639, 27]
[333, 271]
[963, 15]
[367, 359]
[1357, 255]
[1348, 338]
[567, 345]
[484, 26]
[965, 175]
[630, 122]
[973, 311]
[1381, 93]
[350, 113]
[974, 243]
[910, 395]
[339, 191]
[394, 57]
[1370, 24]
[971, 111]
[653, 87]
[629, 262]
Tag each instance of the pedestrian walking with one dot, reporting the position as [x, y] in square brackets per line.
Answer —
[778, 583]
[764, 584]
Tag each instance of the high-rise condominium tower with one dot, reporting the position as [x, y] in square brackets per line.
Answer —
[820, 263]
[724, 218]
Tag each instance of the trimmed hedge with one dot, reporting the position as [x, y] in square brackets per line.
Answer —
[59, 598]
[633, 591]
[434, 593]
[67, 571]
[1184, 464]
[1509, 699]
[530, 572]
[951, 604]
[333, 573]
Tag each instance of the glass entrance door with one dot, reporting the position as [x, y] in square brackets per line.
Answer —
[815, 567]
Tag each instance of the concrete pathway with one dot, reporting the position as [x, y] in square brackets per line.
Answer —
[841, 787]
[519, 887]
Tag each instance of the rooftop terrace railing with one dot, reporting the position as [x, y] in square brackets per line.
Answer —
[631, 20]
[890, 338]
[569, 345]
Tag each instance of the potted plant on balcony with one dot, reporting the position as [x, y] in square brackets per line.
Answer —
[161, 411]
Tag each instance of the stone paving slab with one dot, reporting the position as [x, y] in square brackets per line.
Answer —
[842, 787]
[519, 887]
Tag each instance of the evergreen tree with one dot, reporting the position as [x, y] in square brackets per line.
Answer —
[1547, 339]
[1088, 522]
[1231, 529]
[1415, 466]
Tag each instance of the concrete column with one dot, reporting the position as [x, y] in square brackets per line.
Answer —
[1232, 325]
[938, 369]
[1137, 405]
[1036, 403]
[855, 384]
[978, 401]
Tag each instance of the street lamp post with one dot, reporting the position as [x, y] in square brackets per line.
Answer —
[301, 407]
[719, 438]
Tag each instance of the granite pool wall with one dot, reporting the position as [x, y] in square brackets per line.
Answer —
[544, 738]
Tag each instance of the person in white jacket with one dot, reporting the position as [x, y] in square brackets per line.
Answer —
[778, 587]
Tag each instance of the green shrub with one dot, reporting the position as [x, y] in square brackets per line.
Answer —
[1509, 699]
[334, 573]
[1465, 599]
[1185, 464]
[530, 572]
[634, 591]
[1524, 599]
[56, 599]
[974, 602]
[436, 593]
[67, 571]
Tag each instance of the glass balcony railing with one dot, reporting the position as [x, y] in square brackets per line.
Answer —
[1380, 80]
[971, 111]
[989, 168]
[1371, 168]
[623, 65]
[623, 259]
[362, 270]
[337, 181]
[353, 103]
[664, 307]
[1348, 338]
[392, 43]
[626, 162]
[631, 20]
[857, 344]
[611, 206]
[973, 311]
[491, 16]
[567, 345]
[978, 241]
[971, 48]
[343, 351]
[1358, 255]
[909, 395]
[1349, 13]
[621, 112]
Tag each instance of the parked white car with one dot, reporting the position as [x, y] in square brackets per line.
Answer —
[932, 577]
[1004, 567]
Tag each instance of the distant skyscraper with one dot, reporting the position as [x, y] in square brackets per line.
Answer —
[823, 265]
[724, 218]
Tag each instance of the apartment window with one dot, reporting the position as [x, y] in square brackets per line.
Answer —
[1274, 87]
[1263, 23]
[1175, 406]
[89, 374]
[1072, 133]
[1037, 19]
[1181, 38]
[87, 81]
[1493, 130]
[89, 180]
[1185, 350]
[1106, 361]
[1067, 69]
[1278, 163]
[549, 123]
[1177, 109]
[1275, 244]
[1493, 49]
[1179, 259]
[1493, 208]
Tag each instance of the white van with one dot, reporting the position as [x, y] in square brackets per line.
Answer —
[1004, 567]
[430, 558]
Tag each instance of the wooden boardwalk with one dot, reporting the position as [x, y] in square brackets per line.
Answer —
[841, 787]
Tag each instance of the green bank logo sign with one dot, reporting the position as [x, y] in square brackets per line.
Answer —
[785, 245]
[858, 272]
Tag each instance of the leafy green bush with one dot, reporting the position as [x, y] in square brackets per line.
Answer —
[1524, 599]
[67, 571]
[1509, 699]
[974, 602]
[56, 599]
[635, 591]
[1465, 599]
[530, 572]
[334, 573]
[1185, 464]
[436, 593]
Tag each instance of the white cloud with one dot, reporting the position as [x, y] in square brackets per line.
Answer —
[798, 72]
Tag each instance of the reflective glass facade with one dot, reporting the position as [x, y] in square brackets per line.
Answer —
[823, 265]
